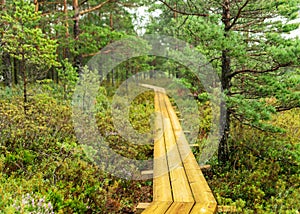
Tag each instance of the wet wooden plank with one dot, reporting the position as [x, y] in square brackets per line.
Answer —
[204, 208]
[158, 207]
[180, 208]
[143, 206]
[200, 189]
[161, 181]
[180, 185]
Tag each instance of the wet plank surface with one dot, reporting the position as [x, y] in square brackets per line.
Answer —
[178, 184]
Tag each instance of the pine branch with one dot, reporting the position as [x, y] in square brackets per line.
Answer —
[238, 14]
[95, 7]
[248, 123]
[286, 108]
[183, 12]
[244, 25]
[183, 23]
[258, 71]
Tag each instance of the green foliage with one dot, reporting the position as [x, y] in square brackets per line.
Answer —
[141, 110]
[68, 77]
[39, 155]
[23, 39]
[263, 173]
[96, 37]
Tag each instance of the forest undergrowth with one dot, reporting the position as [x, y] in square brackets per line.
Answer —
[43, 168]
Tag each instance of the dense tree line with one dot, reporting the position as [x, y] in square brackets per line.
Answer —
[242, 39]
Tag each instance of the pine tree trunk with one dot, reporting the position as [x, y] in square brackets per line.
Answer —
[111, 21]
[6, 58]
[36, 4]
[66, 50]
[15, 69]
[223, 152]
[23, 72]
[3, 5]
[7, 69]
[76, 31]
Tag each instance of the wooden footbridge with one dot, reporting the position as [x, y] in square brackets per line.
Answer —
[178, 183]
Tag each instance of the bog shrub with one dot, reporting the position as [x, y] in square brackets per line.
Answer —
[263, 172]
[40, 156]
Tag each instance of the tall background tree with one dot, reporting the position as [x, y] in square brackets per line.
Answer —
[81, 28]
[24, 41]
[245, 42]
[6, 60]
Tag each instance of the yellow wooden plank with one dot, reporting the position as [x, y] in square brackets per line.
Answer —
[199, 186]
[161, 181]
[143, 206]
[173, 116]
[187, 181]
[180, 185]
[147, 172]
[174, 160]
[204, 208]
[205, 167]
[201, 191]
[155, 88]
[157, 207]
[180, 208]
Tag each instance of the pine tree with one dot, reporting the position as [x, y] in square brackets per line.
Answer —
[244, 41]
[25, 41]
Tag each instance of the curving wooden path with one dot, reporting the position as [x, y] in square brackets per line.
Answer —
[178, 184]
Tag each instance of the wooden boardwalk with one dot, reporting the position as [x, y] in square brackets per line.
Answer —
[178, 184]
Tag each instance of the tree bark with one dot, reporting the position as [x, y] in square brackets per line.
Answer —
[6, 58]
[3, 3]
[66, 50]
[16, 79]
[111, 21]
[76, 32]
[36, 4]
[7, 69]
[23, 72]
[223, 152]
[112, 77]
[97, 7]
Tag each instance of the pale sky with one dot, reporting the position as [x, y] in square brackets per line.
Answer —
[295, 32]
